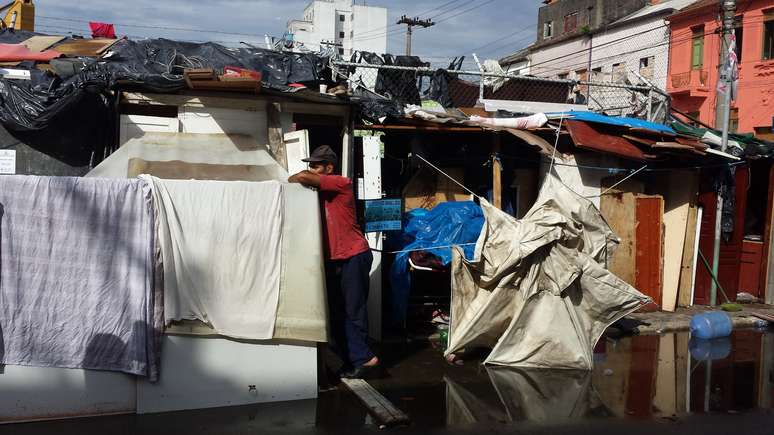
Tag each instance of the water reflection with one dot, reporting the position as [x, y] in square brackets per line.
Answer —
[638, 377]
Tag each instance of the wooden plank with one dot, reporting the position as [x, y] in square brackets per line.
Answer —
[587, 136]
[686, 266]
[40, 43]
[682, 187]
[380, 408]
[85, 47]
[619, 210]
[767, 271]
[649, 248]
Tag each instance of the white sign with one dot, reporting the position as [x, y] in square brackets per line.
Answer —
[8, 162]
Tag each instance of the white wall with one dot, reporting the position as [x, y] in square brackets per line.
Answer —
[364, 27]
[623, 44]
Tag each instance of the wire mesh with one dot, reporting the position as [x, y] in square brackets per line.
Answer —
[466, 87]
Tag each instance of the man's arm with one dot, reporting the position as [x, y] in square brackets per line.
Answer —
[307, 178]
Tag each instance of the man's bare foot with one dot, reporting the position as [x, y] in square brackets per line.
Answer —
[373, 362]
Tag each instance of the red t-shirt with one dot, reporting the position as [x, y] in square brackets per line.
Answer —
[343, 236]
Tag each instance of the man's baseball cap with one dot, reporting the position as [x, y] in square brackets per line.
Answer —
[322, 154]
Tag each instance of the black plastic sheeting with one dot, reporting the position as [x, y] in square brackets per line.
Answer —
[73, 117]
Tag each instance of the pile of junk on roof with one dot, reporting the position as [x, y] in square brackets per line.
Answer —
[548, 262]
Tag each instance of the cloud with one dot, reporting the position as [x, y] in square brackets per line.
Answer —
[475, 26]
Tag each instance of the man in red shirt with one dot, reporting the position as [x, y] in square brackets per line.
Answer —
[348, 262]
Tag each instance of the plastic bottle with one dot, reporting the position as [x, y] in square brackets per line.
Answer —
[711, 325]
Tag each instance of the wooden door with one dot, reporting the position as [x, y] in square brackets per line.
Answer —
[730, 251]
[649, 248]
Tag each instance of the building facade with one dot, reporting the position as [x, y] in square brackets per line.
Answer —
[695, 47]
[631, 50]
[342, 25]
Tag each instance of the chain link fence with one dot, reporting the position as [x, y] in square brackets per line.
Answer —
[466, 88]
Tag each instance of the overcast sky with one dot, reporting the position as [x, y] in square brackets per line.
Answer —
[492, 27]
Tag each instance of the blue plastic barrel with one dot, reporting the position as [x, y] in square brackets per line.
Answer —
[711, 325]
[710, 350]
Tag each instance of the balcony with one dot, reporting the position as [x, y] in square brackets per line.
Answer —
[694, 83]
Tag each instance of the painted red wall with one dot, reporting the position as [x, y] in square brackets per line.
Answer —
[755, 101]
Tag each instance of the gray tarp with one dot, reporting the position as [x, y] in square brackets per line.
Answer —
[536, 291]
[77, 274]
[220, 244]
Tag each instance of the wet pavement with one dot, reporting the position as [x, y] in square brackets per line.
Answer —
[643, 384]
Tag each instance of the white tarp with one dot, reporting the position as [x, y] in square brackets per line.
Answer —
[219, 245]
[536, 290]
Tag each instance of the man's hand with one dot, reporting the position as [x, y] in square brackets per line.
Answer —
[307, 178]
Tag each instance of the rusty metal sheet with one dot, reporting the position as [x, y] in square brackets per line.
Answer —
[588, 136]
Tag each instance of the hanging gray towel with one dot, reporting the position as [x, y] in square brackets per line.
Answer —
[77, 274]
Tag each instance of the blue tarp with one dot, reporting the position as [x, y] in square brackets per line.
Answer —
[621, 121]
[450, 223]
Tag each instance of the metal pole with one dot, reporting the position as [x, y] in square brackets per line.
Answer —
[729, 8]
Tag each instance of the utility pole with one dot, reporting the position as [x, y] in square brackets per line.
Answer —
[723, 115]
[410, 23]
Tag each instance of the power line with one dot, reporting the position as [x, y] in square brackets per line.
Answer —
[379, 32]
[141, 26]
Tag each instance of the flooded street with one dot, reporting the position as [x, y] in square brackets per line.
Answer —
[665, 383]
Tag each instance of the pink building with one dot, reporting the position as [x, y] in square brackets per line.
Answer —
[694, 60]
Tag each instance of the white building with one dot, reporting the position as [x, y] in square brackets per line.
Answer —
[350, 26]
[625, 51]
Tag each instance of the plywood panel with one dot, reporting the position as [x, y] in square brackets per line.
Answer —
[649, 248]
[686, 266]
[681, 191]
[767, 272]
[620, 211]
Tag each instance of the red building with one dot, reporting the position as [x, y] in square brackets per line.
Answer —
[694, 58]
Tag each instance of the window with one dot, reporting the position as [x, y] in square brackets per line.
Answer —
[341, 34]
[596, 74]
[342, 18]
[548, 29]
[563, 76]
[571, 22]
[739, 34]
[768, 34]
[697, 48]
[646, 66]
[619, 73]
[733, 121]
[341, 51]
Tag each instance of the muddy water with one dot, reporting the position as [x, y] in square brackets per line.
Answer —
[667, 381]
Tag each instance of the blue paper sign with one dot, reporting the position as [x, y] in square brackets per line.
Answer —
[383, 215]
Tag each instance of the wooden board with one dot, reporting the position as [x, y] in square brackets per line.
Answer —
[40, 43]
[767, 271]
[85, 47]
[680, 193]
[379, 407]
[686, 266]
[649, 248]
[426, 189]
[619, 208]
[526, 180]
